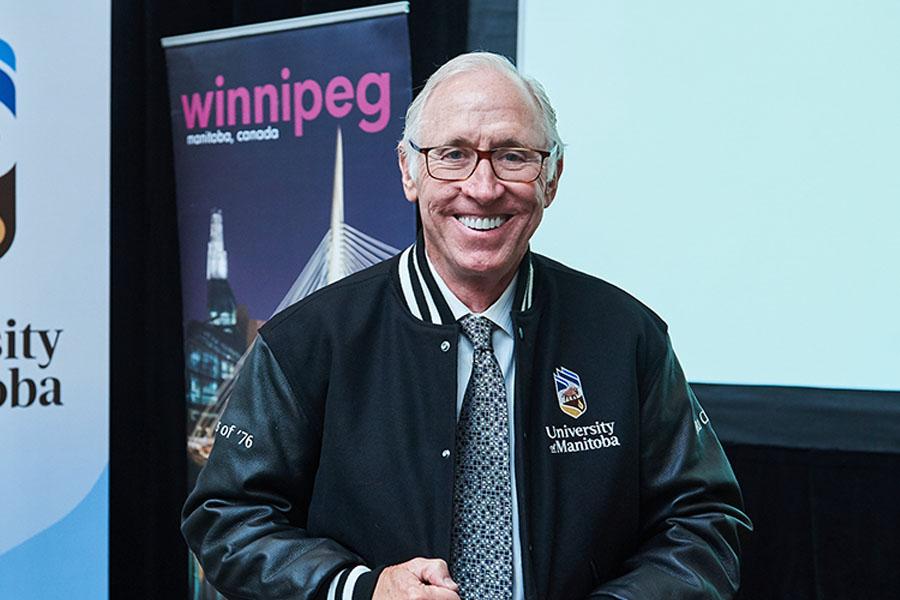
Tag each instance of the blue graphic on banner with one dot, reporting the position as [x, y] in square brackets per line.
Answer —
[287, 180]
[8, 148]
[7, 92]
[43, 567]
[7, 87]
[7, 55]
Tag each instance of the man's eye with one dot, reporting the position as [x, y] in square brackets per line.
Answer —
[512, 156]
[451, 154]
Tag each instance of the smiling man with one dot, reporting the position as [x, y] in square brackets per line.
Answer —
[479, 209]
[469, 420]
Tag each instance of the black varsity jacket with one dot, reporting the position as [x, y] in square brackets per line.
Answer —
[350, 398]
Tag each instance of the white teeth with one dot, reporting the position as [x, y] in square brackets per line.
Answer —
[482, 223]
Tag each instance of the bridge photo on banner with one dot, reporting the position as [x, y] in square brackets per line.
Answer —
[286, 180]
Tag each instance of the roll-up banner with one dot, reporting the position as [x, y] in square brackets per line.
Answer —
[286, 175]
[54, 298]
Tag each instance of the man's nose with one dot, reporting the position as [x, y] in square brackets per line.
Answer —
[482, 184]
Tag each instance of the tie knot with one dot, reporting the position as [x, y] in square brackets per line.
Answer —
[478, 330]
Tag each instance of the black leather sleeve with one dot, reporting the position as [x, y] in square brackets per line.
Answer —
[246, 517]
[691, 506]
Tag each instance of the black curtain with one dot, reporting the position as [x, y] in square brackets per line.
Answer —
[148, 558]
[825, 523]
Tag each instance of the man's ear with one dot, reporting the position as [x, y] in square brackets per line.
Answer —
[410, 190]
[552, 186]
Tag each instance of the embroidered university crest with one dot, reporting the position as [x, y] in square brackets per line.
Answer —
[569, 392]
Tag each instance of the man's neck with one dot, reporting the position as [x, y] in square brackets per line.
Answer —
[477, 293]
[478, 297]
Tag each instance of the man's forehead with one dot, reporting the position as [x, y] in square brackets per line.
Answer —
[470, 85]
[486, 102]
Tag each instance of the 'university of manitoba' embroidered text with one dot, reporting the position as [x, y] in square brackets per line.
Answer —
[567, 439]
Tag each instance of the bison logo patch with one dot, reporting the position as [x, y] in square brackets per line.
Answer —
[569, 392]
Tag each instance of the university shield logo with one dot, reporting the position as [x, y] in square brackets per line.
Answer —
[7, 147]
[569, 392]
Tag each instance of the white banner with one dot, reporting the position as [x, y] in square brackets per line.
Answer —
[54, 298]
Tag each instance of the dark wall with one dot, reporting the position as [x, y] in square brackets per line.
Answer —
[825, 523]
[148, 558]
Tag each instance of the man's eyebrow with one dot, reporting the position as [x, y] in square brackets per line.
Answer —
[504, 143]
[458, 141]
[510, 143]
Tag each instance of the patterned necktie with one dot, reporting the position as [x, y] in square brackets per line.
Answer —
[481, 546]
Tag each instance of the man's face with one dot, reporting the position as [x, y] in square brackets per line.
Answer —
[482, 110]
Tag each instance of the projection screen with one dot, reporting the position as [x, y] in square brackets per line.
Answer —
[735, 166]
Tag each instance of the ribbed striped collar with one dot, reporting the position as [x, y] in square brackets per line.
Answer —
[423, 297]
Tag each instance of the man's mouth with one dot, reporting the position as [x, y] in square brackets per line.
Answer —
[482, 223]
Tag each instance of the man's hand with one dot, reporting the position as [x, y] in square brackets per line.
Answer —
[416, 579]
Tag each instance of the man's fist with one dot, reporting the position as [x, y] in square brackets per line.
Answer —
[416, 579]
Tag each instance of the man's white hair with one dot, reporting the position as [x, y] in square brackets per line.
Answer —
[479, 61]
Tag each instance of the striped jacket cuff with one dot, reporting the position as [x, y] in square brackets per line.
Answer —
[354, 583]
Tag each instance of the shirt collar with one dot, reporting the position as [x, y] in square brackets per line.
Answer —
[500, 312]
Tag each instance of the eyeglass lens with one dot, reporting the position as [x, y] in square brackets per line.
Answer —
[509, 164]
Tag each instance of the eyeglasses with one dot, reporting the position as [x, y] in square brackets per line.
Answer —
[457, 163]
